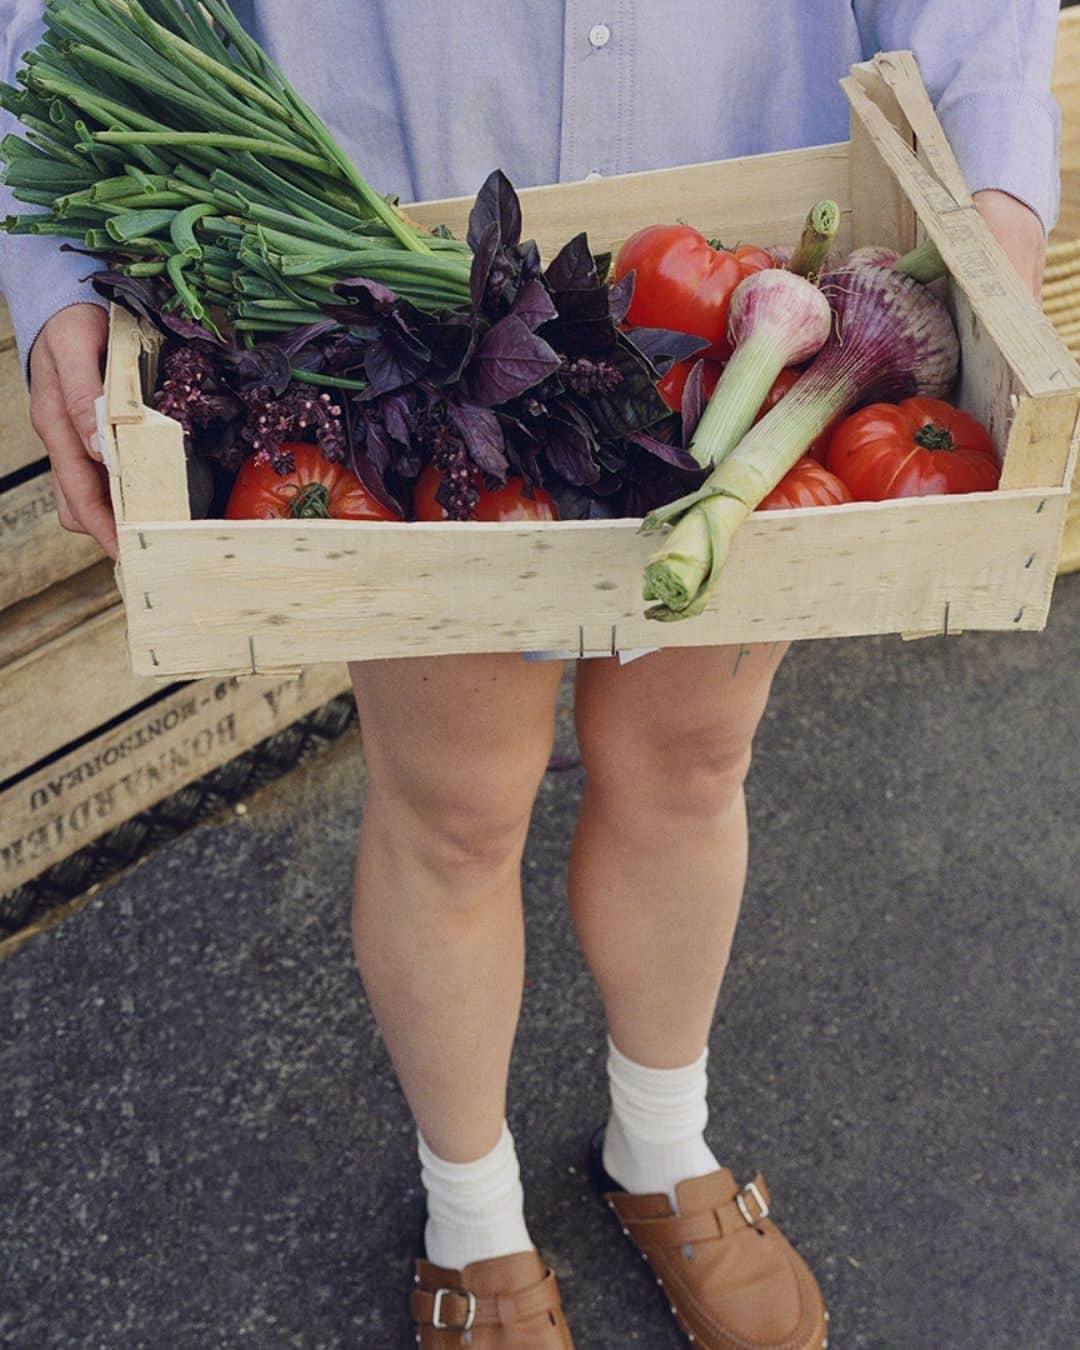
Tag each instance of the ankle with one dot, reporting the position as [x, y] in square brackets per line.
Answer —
[475, 1209]
[655, 1135]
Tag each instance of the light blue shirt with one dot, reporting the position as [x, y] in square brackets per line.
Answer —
[428, 96]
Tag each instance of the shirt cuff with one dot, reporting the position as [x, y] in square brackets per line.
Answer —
[29, 317]
[1008, 139]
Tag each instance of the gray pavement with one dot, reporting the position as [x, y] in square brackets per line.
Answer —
[203, 1145]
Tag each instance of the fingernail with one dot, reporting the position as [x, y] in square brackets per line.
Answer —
[94, 445]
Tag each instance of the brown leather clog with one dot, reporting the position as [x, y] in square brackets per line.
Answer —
[731, 1278]
[507, 1303]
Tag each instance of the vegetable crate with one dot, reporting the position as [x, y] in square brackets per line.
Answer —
[213, 596]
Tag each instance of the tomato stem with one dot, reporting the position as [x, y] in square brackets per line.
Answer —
[312, 500]
[933, 436]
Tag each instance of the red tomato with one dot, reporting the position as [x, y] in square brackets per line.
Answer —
[807, 484]
[918, 448]
[671, 386]
[780, 386]
[314, 488]
[685, 284]
[500, 504]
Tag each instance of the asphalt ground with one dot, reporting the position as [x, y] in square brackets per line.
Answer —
[203, 1144]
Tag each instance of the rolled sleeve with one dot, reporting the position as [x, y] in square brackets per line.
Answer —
[38, 283]
[1008, 139]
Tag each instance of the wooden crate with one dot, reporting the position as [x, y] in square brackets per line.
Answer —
[35, 552]
[206, 597]
[65, 803]
[85, 743]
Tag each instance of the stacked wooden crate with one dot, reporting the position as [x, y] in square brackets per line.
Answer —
[84, 743]
[1061, 292]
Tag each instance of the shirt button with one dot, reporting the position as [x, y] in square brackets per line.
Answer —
[599, 35]
[593, 175]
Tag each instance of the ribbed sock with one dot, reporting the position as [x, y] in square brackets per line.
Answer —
[475, 1209]
[655, 1134]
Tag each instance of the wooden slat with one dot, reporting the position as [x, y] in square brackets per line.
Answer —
[65, 688]
[53, 812]
[32, 623]
[123, 386]
[763, 197]
[900, 72]
[19, 445]
[35, 551]
[152, 469]
[881, 213]
[241, 595]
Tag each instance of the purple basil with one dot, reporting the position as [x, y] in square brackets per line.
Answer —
[533, 305]
[620, 296]
[662, 347]
[394, 360]
[569, 451]
[693, 400]
[496, 203]
[509, 359]
[482, 434]
[670, 454]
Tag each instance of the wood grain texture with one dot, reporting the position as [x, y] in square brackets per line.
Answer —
[249, 595]
[152, 468]
[881, 212]
[65, 688]
[45, 616]
[35, 551]
[764, 197]
[50, 814]
[123, 379]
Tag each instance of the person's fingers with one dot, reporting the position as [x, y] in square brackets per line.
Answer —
[76, 344]
[82, 484]
[64, 513]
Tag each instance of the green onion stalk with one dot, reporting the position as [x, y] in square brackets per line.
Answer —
[160, 136]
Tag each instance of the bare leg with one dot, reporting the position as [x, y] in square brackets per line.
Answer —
[659, 856]
[455, 748]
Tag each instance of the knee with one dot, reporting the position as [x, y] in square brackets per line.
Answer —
[699, 775]
[458, 827]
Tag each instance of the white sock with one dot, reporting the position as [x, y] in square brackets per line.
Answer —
[475, 1209]
[655, 1133]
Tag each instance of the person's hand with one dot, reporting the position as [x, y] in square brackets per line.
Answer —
[65, 379]
[1019, 231]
